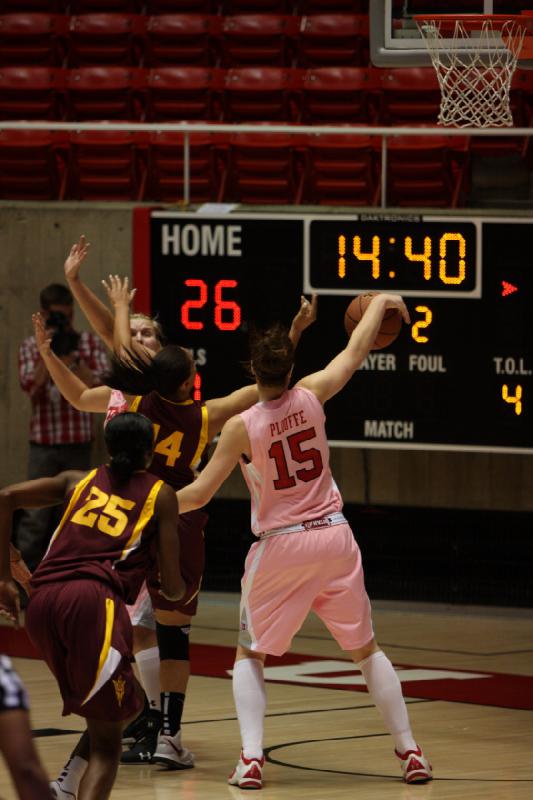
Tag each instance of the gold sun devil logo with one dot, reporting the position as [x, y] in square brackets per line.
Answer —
[120, 685]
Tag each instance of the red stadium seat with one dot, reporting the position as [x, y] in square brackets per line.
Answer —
[104, 93]
[182, 39]
[104, 165]
[32, 93]
[32, 165]
[263, 169]
[341, 170]
[409, 95]
[337, 94]
[257, 6]
[332, 6]
[259, 94]
[333, 40]
[165, 168]
[106, 39]
[183, 93]
[96, 6]
[33, 6]
[32, 39]
[258, 39]
[426, 171]
[181, 6]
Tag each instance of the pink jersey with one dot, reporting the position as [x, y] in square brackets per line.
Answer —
[117, 404]
[289, 477]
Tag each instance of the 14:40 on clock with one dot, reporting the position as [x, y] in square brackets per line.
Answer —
[411, 258]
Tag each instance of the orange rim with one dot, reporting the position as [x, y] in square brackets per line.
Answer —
[447, 21]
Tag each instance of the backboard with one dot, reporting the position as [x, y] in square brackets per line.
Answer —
[394, 37]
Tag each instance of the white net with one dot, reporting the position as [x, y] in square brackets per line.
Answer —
[474, 70]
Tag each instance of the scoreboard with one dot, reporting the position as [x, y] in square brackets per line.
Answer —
[459, 377]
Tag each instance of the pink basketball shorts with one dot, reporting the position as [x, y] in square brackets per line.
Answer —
[290, 574]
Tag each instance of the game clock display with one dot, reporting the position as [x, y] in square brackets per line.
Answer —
[459, 377]
[433, 258]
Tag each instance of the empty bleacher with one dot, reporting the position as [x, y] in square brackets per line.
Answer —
[234, 61]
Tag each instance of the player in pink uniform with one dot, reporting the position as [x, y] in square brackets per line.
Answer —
[306, 557]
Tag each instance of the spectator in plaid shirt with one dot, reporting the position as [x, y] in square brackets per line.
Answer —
[60, 435]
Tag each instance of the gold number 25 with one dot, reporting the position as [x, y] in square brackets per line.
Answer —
[111, 520]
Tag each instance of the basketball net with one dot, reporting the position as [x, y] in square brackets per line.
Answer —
[474, 71]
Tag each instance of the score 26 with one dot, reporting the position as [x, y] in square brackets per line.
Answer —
[229, 321]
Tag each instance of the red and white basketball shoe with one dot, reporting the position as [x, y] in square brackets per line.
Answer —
[248, 774]
[415, 766]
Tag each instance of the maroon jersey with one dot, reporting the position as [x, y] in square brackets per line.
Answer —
[107, 532]
[180, 431]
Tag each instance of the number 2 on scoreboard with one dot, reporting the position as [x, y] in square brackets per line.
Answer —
[425, 322]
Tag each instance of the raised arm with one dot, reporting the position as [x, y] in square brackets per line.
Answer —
[29, 494]
[305, 317]
[221, 409]
[121, 297]
[33, 375]
[168, 544]
[97, 313]
[338, 372]
[73, 389]
[233, 443]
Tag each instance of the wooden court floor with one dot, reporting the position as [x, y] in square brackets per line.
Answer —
[467, 676]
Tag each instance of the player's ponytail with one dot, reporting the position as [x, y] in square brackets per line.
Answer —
[272, 355]
[164, 373]
[129, 442]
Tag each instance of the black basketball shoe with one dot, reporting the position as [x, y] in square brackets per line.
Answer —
[143, 748]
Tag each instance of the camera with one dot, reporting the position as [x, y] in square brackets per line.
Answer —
[64, 339]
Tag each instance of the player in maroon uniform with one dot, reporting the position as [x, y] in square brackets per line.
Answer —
[161, 388]
[116, 520]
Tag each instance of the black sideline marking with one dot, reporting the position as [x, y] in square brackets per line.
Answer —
[53, 732]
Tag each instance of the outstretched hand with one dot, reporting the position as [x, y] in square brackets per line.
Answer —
[9, 600]
[118, 290]
[396, 301]
[306, 314]
[75, 258]
[42, 334]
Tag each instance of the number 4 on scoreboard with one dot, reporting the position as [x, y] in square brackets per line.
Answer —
[515, 399]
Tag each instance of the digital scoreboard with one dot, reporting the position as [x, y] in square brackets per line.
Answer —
[459, 377]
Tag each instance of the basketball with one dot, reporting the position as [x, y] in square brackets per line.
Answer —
[390, 325]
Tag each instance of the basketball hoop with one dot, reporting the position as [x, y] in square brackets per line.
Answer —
[474, 56]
